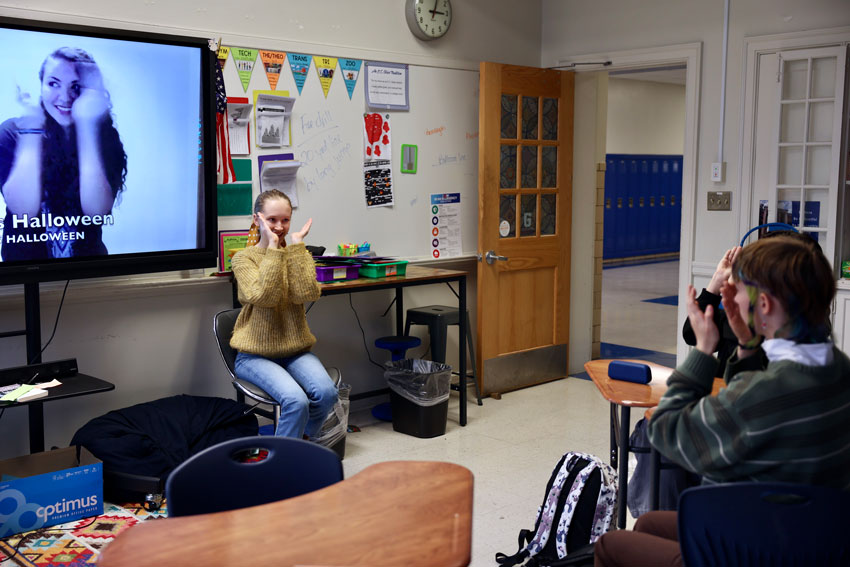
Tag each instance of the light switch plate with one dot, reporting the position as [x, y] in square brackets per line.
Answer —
[719, 200]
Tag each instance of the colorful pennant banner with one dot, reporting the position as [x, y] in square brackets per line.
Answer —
[350, 69]
[325, 67]
[300, 64]
[244, 59]
[273, 63]
[223, 52]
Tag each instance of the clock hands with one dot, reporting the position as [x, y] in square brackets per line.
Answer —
[434, 10]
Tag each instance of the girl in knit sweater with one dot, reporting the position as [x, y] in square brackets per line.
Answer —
[783, 422]
[271, 334]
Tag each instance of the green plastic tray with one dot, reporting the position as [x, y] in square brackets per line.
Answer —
[385, 269]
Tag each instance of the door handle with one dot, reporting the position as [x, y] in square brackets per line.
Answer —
[491, 257]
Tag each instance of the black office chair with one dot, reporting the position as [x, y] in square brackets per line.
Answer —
[223, 324]
[763, 523]
[247, 472]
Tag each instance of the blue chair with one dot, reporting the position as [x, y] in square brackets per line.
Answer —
[762, 523]
[247, 472]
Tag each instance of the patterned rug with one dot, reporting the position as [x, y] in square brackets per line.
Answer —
[76, 543]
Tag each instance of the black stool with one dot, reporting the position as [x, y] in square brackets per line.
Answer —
[438, 318]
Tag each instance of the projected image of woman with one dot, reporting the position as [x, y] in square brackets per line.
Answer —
[62, 163]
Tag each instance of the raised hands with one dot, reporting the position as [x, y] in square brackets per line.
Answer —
[92, 103]
[737, 321]
[299, 236]
[33, 115]
[268, 238]
[723, 271]
[702, 323]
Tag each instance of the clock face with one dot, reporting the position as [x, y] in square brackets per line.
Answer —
[429, 19]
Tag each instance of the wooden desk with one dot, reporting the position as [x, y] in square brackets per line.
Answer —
[627, 395]
[402, 513]
[72, 386]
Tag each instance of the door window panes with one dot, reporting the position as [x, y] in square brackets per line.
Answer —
[550, 119]
[507, 216]
[790, 165]
[549, 166]
[507, 168]
[509, 112]
[823, 77]
[795, 79]
[818, 165]
[528, 216]
[820, 121]
[529, 167]
[548, 210]
[529, 118]
[793, 122]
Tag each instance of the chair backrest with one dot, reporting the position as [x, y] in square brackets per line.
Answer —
[233, 475]
[761, 523]
[223, 324]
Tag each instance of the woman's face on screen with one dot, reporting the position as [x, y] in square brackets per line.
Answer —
[60, 87]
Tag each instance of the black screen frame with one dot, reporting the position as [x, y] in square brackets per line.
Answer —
[57, 269]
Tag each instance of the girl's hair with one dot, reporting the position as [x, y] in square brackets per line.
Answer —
[269, 195]
[59, 159]
[798, 275]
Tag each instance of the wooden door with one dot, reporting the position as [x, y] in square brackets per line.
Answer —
[525, 206]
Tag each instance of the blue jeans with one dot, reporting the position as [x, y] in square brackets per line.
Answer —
[299, 383]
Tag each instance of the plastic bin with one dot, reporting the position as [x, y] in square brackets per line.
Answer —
[335, 427]
[331, 272]
[419, 395]
[383, 269]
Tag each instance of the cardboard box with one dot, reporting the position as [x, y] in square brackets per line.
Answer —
[45, 489]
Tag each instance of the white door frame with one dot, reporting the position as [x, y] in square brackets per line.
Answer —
[689, 54]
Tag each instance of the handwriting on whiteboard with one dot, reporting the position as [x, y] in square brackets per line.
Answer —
[322, 150]
[439, 130]
[449, 159]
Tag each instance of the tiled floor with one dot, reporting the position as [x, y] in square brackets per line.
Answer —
[512, 444]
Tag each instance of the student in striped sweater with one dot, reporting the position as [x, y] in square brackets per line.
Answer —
[271, 334]
[784, 421]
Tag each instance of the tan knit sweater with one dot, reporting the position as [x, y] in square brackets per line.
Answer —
[274, 284]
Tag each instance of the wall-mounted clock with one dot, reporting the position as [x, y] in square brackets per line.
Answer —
[428, 19]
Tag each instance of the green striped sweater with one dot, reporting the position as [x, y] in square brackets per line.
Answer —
[787, 422]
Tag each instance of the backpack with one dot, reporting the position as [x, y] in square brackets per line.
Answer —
[579, 506]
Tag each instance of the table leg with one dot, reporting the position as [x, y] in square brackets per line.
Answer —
[654, 476]
[623, 495]
[36, 419]
[399, 311]
[462, 347]
[613, 428]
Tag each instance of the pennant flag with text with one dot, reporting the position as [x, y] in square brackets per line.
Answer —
[300, 64]
[350, 69]
[244, 59]
[325, 67]
[273, 63]
[223, 52]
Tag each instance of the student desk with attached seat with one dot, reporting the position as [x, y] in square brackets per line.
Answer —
[627, 395]
[400, 513]
[414, 276]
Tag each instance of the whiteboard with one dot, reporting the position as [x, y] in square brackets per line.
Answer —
[328, 138]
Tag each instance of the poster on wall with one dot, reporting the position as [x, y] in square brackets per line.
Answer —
[377, 160]
[446, 241]
[387, 86]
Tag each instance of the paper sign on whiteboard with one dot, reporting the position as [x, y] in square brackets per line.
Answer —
[386, 86]
[445, 235]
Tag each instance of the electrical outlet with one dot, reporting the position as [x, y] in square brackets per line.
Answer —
[719, 200]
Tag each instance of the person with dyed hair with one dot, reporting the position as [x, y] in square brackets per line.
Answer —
[780, 421]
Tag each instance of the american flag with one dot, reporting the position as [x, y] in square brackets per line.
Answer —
[224, 163]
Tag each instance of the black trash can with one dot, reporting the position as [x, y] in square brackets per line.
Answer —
[419, 394]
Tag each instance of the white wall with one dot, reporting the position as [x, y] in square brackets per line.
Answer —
[645, 117]
[572, 28]
[157, 341]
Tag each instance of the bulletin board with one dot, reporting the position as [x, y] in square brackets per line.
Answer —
[327, 133]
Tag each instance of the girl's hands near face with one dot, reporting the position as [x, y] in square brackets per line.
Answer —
[268, 239]
[723, 271]
[33, 114]
[736, 319]
[299, 236]
[92, 104]
[702, 323]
